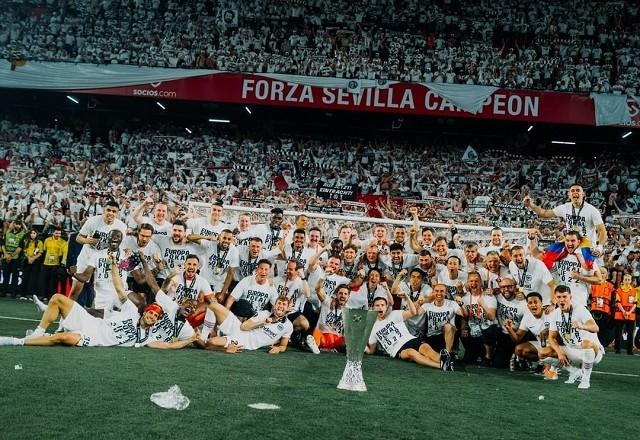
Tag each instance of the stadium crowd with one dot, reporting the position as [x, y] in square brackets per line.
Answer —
[576, 46]
[76, 210]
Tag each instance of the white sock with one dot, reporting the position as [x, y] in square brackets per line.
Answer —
[208, 325]
[39, 331]
[570, 368]
[553, 362]
[588, 356]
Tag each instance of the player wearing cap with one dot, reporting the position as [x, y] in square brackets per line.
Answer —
[392, 334]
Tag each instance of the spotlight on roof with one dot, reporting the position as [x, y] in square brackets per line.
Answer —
[222, 121]
[626, 135]
[72, 99]
[161, 106]
[563, 142]
[247, 109]
[530, 128]
[188, 131]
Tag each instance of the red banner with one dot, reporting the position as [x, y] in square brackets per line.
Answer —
[401, 98]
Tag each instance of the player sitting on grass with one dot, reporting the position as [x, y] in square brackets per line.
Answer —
[329, 332]
[125, 328]
[265, 328]
[391, 332]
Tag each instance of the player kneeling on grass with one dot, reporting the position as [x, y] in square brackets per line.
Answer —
[391, 332]
[124, 328]
[264, 329]
[576, 328]
[534, 322]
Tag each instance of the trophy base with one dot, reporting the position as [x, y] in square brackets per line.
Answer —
[352, 379]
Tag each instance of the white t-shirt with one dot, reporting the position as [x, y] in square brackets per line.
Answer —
[583, 219]
[168, 327]
[477, 317]
[201, 226]
[408, 262]
[149, 250]
[106, 296]
[363, 297]
[262, 336]
[303, 256]
[174, 254]
[95, 226]
[533, 324]
[121, 329]
[444, 278]
[269, 236]
[330, 283]
[390, 332]
[190, 289]
[215, 263]
[247, 265]
[259, 295]
[561, 272]
[437, 316]
[163, 229]
[513, 310]
[330, 320]
[534, 277]
[563, 324]
[292, 290]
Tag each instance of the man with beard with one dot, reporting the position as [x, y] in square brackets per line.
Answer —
[532, 275]
[349, 266]
[493, 272]
[211, 226]
[480, 327]
[221, 261]
[578, 215]
[392, 334]
[571, 266]
[265, 328]
[140, 242]
[159, 220]
[175, 249]
[295, 288]
[413, 290]
[510, 309]
[248, 257]
[371, 260]
[329, 332]
[397, 261]
[439, 319]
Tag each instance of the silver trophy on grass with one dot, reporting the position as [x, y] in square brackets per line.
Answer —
[357, 327]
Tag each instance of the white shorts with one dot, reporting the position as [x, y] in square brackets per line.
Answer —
[106, 302]
[88, 327]
[575, 355]
[230, 328]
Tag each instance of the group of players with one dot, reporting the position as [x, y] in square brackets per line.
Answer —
[206, 283]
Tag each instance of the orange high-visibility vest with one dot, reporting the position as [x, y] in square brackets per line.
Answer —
[601, 298]
[627, 298]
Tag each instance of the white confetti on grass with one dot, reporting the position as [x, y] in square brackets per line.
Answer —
[261, 405]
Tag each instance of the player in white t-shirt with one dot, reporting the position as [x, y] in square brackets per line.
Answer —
[398, 260]
[293, 286]
[329, 332]
[159, 220]
[220, 261]
[414, 290]
[392, 334]
[577, 215]
[272, 233]
[243, 232]
[439, 319]
[510, 309]
[263, 329]
[175, 249]
[480, 331]
[295, 251]
[495, 244]
[256, 289]
[124, 328]
[329, 275]
[452, 277]
[532, 275]
[249, 255]
[211, 226]
[576, 329]
[571, 268]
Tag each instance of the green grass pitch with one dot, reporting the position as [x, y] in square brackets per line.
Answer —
[103, 393]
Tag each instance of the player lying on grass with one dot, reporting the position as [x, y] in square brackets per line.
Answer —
[124, 328]
[391, 332]
[264, 329]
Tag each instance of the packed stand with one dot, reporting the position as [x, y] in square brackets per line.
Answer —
[577, 46]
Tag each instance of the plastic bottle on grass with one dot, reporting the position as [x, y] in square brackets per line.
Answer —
[172, 399]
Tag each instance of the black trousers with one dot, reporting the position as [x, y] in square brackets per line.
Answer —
[30, 278]
[10, 275]
[629, 326]
[50, 276]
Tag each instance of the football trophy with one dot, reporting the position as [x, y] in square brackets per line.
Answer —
[357, 327]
